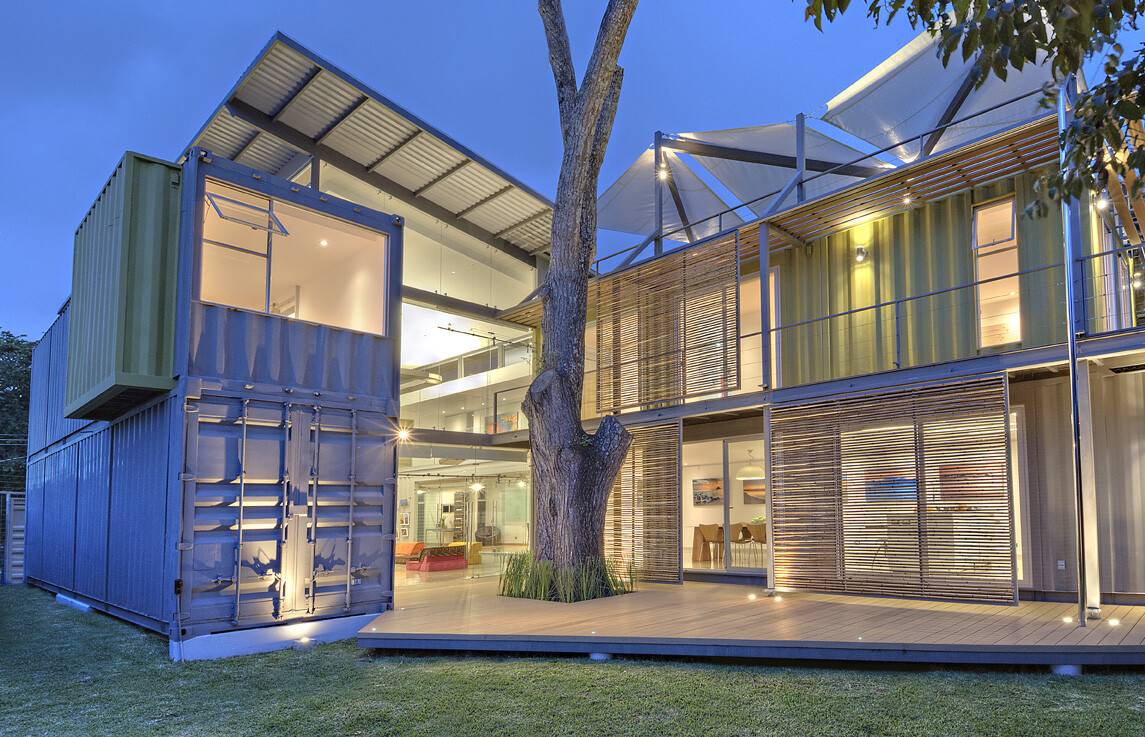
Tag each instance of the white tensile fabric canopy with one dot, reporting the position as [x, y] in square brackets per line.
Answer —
[629, 203]
[750, 181]
[907, 94]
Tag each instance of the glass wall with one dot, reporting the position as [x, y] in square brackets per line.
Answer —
[475, 502]
[462, 374]
[724, 505]
[264, 255]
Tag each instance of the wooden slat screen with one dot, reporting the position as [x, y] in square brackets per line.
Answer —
[668, 330]
[903, 493]
[642, 522]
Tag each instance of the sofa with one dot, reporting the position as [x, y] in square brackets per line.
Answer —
[442, 558]
[405, 551]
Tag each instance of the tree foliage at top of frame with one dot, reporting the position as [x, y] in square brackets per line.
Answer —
[1001, 35]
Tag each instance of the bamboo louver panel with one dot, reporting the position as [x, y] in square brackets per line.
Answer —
[642, 521]
[668, 330]
[904, 493]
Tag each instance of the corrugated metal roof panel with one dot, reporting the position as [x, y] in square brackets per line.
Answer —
[267, 153]
[309, 95]
[226, 135]
[466, 187]
[320, 105]
[370, 132]
[420, 162]
[276, 78]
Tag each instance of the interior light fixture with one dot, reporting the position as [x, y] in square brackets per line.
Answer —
[906, 200]
[323, 242]
[521, 484]
[1101, 203]
[751, 471]
[861, 254]
[477, 486]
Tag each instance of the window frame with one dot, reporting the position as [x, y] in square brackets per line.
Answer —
[980, 251]
[236, 176]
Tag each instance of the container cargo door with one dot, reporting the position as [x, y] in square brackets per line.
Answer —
[346, 564]
[274, 487]
[238, 489]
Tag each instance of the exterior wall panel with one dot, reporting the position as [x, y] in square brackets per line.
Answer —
[46, 421]
[137, 511]
[247, 347]
[121, 350]
[93, 486]
[916, 252]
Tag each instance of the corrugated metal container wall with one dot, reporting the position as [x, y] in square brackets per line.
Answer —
[98, 518]
[920, 251]
[137, 511]
[46, 421]
[123, 291]
[244, 347]
[275, 487]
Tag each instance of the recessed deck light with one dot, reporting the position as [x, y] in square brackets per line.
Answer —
[1067, 620]
[1114, 622]
[751, 597]
[323, 242]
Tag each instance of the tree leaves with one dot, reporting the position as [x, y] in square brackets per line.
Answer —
[1011, 34]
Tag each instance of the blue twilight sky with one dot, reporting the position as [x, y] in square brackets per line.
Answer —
[86, 81]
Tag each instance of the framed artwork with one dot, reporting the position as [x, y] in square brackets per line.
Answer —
[403, 532]
[754, 491]
[707, 491]
[404, 519]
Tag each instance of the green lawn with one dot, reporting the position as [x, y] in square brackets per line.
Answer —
[65, 672]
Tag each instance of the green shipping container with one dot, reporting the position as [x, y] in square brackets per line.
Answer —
[121, 342]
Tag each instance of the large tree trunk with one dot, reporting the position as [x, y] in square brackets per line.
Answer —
[573, 470]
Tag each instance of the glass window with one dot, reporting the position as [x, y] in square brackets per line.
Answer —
[270, 256]
[996, 267]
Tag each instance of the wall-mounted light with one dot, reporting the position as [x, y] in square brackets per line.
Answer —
[861, 254]
[404, 434]
[663, 173]
[906, 200]
[1101, 203]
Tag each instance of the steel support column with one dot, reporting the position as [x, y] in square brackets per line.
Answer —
[657, 164]
[800, 156]
[1071, 246]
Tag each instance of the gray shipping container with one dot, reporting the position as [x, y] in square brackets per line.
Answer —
[251, 494]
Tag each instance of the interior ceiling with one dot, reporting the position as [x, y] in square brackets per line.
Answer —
[291, 103]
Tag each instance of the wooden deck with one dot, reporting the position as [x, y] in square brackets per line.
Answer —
[722, 620]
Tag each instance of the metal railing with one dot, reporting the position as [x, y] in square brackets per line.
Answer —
[713, 225]
[1112, 290]
[934, 327]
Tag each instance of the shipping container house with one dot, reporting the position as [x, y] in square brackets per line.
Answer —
[201, 469]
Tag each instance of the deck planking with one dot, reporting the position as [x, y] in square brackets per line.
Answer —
[720, 620]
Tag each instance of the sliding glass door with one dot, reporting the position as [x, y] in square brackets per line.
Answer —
[724, 505]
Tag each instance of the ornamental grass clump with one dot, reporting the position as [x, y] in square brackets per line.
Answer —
[525, 577]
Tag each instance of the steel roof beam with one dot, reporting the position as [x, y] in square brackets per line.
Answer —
[298, 93]
[442, 177]
[716, 151]
[948, 114]
[299, 140]
[679, 202]
[342, 119]
[485, 200]
[518, 224]
[396, 149]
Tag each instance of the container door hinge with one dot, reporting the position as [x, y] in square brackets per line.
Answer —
[185, 546]
[178, 587]
[186, 476]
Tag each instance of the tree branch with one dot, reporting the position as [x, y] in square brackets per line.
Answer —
[560, 59]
